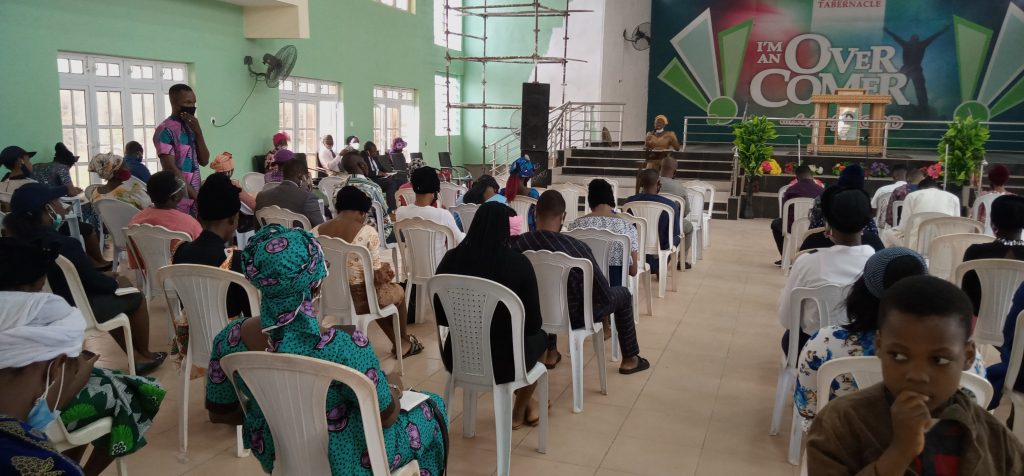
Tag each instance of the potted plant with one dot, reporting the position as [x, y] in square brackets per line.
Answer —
[965, 142]
[752, 150]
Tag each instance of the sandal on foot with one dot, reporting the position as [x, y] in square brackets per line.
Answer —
[415, 347]
[641, 365]
[148, 367]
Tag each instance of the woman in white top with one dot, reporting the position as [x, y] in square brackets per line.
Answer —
[602, 216]
[121, 185]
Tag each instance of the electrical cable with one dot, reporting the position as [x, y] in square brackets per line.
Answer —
[256, 80]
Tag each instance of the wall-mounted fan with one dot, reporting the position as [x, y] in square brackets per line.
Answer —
[641, 37]
[279, 65]
[515, 121]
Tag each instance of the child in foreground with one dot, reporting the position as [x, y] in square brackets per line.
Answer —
[917, 421]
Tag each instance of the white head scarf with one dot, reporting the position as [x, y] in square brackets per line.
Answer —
[37, 327]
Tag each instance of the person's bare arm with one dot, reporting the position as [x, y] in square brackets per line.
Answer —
[633, 263]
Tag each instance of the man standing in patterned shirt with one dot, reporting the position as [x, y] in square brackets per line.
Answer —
[180, 144]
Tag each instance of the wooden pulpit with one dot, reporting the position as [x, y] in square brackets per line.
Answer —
[846, 111]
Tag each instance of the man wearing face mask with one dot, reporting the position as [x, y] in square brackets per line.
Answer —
[293, 193]
[180, 144]
[19, 162]
[42, 368]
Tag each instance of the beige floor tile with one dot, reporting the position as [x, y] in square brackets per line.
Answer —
[715, 463]
[650, 457]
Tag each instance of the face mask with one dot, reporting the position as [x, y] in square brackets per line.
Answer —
[355, 145]
[41, 416]
[57, 218]
[659, 130]
[123, 174]
[189, 109]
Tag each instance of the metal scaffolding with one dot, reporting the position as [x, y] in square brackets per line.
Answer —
[487, 11]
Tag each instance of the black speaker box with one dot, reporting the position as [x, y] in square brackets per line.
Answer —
[536, 100]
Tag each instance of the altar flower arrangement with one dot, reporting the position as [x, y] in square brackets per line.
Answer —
[771, 167]
[789, 168]
[878, 169]
[839, 168]
[934, 171]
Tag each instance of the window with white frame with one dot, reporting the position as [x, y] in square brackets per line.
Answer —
[395, 115]
[454, 24]
[106, 101]
[406, 5]
[308, 110]
[443, 86]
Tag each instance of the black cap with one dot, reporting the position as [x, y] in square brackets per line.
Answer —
[31, 198]
[12, 153]
[425, 180]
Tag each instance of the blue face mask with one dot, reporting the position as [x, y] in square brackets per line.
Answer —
[58, 219]
[41, 416]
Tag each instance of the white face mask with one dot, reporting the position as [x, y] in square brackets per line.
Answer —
[355, 145]
[659, 130]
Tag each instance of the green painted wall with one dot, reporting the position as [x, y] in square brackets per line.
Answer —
[358, 43]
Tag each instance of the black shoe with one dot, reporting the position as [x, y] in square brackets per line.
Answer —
[778, 263]
[149, 367]
[641, 365]
[689, 266]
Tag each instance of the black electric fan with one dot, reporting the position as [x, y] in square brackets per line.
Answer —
[279, 65]
[641, 37]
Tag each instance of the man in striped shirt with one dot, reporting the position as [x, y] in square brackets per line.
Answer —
[617, 300]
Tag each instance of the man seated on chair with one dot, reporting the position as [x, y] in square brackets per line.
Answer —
[805, 187]
[607, 300]
[380, 170]
[899, 179]
[357, 169]
[914, 177]
[219, 203]
[917, 420]
[293, 194]
[847, 212]
[927, 198]
[670, 185]
[650, 186]
[427, 186]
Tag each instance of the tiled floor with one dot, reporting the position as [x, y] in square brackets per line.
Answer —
[703, 409]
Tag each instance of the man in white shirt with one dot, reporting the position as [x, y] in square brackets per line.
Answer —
[927, 198]
[899, 177]
[847, 212]
[328, 159]
[427, 185]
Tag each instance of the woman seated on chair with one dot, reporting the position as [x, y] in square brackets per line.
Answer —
[36, 213]
[1007, 223]
[857, 338]
[45, 322]
[121, 185]
[852, 177]
[602, 216]
[288, 266]
[166, 190]
[485, 253]
[485, 190]
[350, 225]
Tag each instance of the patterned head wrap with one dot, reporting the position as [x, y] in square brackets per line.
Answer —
[281, 137]
[878, 263]
[105, 165]
[522, 167]
[398, 144]
[223, 163]
[415, 164]
[286, 264]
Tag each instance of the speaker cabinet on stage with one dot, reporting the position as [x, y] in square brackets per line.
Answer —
[536, 100]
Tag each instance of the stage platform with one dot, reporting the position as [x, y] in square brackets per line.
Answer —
[714, 163]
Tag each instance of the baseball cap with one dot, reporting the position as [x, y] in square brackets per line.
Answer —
[12, 153]
[31, 198]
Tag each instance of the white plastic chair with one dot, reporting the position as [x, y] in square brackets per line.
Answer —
[696, 217]
[986, 200]
[828, 299]
[571, 193]
[795, 208]
[378, 211]
[202, 292]
[708, 191]
[405, 194]
[912, 225]
[469, 304]
[337, 303]
[64, 440]
[931, 228]
[243, 237]
[790, 243]
[946, 252]
[286, 218]
[150, 247]
[897, 213]
[465, 212]
[782, 194]
[883, 204]
[552, 270]
[999, 279]
[651, 212]
[115, 215]
[329, 187]
[416, 242]
[73, 207]
[522, 206]
[92, 327]
[291, 391]
[601, 243]
[253, 182]
[450, 194]
[643, 269]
